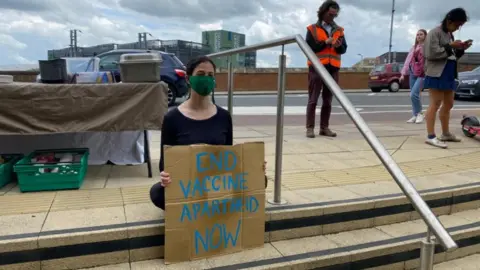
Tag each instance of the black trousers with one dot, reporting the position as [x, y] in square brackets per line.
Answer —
[157, 194]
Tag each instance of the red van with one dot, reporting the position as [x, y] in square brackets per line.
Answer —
[387, 76]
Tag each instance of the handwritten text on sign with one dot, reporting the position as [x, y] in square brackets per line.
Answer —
[216, 202]
[223, 162]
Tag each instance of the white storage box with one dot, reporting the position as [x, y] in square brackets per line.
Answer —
[94, 77]
[140, 67]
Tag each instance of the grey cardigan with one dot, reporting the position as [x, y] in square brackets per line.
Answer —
[437, 50]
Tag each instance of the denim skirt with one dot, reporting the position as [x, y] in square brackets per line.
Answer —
[446, 81]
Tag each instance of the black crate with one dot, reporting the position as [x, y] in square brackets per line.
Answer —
[53, 71]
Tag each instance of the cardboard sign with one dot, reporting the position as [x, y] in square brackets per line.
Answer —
[216, 202]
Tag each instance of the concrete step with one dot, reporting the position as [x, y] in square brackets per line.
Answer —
[466, 263]
[383, 247]
[376, 205]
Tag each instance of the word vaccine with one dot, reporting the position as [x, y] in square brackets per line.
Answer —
[220, 174]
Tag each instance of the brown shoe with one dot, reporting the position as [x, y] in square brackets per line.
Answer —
[310, 133]
[327, 132]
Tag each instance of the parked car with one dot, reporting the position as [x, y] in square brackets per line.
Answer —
[172, 70]
[76, 65]
[468, 84]
[387, 76]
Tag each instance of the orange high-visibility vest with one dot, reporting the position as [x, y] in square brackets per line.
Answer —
[327, 56]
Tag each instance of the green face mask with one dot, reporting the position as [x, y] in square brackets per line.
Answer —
[203, 85]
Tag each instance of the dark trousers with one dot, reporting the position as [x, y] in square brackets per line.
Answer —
[157, 194]
[315, 87]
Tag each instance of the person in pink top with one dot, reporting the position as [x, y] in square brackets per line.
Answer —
[414, 68]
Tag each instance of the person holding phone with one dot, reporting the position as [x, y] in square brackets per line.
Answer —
[441, 52]
[327, 41]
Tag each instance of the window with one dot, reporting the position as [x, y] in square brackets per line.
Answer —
[397, 67]
[379, 68]
[109, 62]
[75, 65]
[167, 61]
[178, 61]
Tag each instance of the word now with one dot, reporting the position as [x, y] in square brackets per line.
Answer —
[235, 182]
[193, 211]
[219, 233]
[224, 161]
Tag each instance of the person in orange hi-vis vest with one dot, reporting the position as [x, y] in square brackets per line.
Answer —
[327, 41]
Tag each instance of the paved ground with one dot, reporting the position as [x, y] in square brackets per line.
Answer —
[341, 118]
[374, 107]
[386, 99]
[307, 164]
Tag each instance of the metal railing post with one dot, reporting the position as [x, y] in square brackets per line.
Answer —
[277, 192]
[427, 252]
[392, 167]
[230, 85]
[434, 225]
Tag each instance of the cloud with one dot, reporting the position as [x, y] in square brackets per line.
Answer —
[21, 60]
[29, 28]
[11, 42]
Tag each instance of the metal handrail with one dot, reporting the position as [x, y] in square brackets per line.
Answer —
[400, 178]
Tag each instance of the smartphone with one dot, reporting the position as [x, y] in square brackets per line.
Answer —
[468, 41]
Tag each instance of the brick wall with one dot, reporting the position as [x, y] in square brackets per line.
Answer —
[21, 76]
[293, 81]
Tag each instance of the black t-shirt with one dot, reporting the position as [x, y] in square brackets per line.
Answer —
[177, 129]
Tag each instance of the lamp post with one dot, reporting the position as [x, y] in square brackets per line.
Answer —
[361, 59]
[391, 33]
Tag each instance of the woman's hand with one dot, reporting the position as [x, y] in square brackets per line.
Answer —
[165, 179]
[467, 44]
[457, 44]
[401, 78]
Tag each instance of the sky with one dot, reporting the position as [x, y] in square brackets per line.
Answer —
[29, 28]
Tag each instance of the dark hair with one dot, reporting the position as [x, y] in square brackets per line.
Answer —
[328, 4]
[455, 15]
[193, 64]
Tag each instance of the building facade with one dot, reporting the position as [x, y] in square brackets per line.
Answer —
[221, 40]
[184, 50]
[367, 62]
[397, 57]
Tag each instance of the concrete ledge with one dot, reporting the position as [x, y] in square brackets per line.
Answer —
[393, 253]
[144, 240]
[333, 252]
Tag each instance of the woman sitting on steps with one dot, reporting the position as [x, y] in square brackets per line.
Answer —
[196, 121]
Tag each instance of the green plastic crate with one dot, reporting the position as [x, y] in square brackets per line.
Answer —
[70, 175]
[6, 169]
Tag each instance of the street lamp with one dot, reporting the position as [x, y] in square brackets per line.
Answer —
[391, 33]
[361, 59]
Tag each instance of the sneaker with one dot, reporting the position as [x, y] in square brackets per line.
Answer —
[310, 133]
[420, 118]
[436, 142]
[412, 120]
[449, 138]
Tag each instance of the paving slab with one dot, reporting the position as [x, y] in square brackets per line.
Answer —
[268, 251]
[308, 164]
[466, 263]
